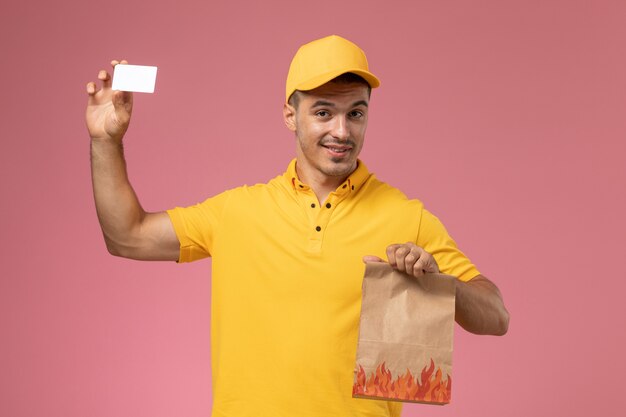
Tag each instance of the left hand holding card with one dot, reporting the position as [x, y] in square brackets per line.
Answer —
[136, 78]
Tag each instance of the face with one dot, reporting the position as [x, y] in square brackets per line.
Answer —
[330, 124]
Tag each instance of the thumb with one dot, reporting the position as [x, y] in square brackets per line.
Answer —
[123, 102]
[371, 258]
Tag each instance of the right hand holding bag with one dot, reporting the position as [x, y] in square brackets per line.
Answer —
[404, 351]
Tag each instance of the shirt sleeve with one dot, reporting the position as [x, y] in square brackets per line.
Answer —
[434, 238]
[196, 226]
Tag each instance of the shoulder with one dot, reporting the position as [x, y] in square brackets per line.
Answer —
[385, 194]
[260, 189]
[254, 192]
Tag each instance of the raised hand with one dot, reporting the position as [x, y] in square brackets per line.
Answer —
[108, 112]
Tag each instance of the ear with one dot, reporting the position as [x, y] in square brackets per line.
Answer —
[289, 116]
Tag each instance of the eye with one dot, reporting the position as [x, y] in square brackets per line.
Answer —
[322, 113]
[356, 114]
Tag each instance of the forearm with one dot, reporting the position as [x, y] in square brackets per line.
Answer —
[118, 208]
[479, 307]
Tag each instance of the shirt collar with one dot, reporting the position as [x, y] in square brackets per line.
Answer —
[352, 184]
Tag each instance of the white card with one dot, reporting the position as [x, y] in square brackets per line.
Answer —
[138, 78]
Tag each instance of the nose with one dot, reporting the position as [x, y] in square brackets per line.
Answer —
[340, 129]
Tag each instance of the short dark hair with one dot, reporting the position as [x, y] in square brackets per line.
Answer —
[346, 78]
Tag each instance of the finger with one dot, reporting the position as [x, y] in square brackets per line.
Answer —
[113, 64]
[391, 254]
[372, 258]
[425, 264]
[105, 77]
[420, 265]
[411, 259]
[411, 255]
[418, 269]
[400, 255]
[91, 88]
[432, 266]
[116, 62]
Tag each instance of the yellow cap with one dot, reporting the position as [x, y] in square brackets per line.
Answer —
[320, 61]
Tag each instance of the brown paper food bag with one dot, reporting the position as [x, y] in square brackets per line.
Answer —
[404, 351]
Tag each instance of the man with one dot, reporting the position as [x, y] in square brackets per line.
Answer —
[287, 255]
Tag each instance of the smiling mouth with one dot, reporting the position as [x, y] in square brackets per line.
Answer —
[339, 150]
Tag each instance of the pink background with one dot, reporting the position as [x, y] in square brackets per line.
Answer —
[506, 118]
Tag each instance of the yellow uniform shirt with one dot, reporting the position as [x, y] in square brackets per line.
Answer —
[286, 288]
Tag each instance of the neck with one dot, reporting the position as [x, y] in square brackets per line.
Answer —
[321, 184]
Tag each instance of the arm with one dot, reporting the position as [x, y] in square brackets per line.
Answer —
[479, 305]
[129, 231]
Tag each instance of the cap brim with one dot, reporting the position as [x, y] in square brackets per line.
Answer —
[324, 78]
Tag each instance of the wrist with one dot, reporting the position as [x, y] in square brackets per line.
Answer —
[106, 141]
[106, 148]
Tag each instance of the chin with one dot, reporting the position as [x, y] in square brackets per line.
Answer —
[339, 167]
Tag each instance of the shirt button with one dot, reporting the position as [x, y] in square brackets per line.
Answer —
[301, 186]
[312, 205]
[327, 205]
[344, 186]
[318, 228]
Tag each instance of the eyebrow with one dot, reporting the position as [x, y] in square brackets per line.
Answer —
[322, 103]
